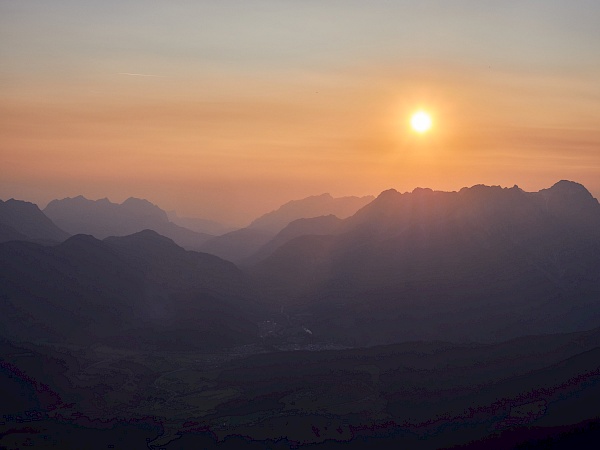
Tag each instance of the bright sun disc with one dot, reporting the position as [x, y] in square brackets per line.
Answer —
[421, 122]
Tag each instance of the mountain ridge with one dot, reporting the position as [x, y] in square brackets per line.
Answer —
[137, 288]
[457, 257]
[240, 245]
[309, 207]
[480, 263]
[103, 218]
[24, 220]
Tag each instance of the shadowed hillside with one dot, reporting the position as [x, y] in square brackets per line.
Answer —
[315, 206]
[132, 289]
[482, 263]
[21, 220]
[241, 245]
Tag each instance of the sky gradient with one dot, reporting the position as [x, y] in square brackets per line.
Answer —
[226, 109]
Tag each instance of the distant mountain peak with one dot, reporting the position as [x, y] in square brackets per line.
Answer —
[103, 218]
[388, 193]
[420, 190]
[482, 188]
[26, 219]
[144, 207]
[570, 188]
[568, 200]
[20, 203]
[137, 201]
[568, 196]
[568, 183]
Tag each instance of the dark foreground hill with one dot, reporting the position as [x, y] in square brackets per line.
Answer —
[138, 288]
[535, 391]
[484, 263]
[102, 218]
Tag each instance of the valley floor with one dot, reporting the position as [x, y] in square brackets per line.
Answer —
[531, 392]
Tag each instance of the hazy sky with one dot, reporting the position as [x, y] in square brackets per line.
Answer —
[226, 109]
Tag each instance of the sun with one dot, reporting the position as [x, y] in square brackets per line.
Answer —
[420, 122]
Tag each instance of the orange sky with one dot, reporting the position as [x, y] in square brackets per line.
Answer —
[232, 140]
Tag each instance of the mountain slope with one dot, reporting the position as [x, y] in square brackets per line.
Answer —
[239, 245]
[323, 225]
[8, 233]
[139, 288]
[483, 263]
[169, 265]
[314, 206]
[24, 220]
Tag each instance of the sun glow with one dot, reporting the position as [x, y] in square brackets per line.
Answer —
[420, 122]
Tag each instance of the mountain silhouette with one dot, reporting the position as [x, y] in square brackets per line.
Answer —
[171, 266]
[239, 245]
[306, 208]
[21, 220]
[137, 288]
[487, 301]
[323, 225]
[102, 218]
[484, 263]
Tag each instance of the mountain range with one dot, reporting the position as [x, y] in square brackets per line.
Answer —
[423, 319]
[481, 263]
[103, 218]
[484, 263]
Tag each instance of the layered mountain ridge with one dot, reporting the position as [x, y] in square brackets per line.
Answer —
[430, 264]
[132, 289]
[102, 218]
[20, 220]
[241, 245]
[485, 263]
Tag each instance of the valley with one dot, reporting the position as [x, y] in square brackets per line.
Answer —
[410, 392]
